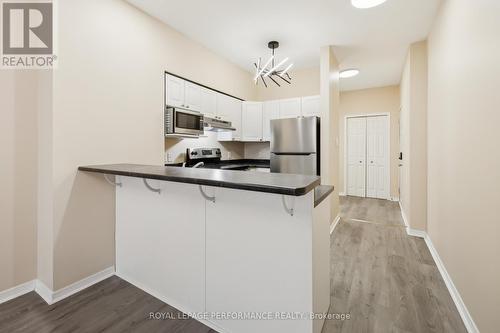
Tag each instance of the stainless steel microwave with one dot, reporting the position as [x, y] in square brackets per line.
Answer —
[183, 122]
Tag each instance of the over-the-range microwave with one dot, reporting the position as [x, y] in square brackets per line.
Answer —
[183, 122]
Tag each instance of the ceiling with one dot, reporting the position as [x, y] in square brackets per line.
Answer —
[373, 40]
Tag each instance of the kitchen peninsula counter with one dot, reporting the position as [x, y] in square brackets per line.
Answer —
[213, 243]
[295, 185]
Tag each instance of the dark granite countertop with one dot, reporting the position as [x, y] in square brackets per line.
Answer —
[321, 192]
[287, 184]
[237, 164]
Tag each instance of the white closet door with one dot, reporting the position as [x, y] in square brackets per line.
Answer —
[356, 156]
[377, 131]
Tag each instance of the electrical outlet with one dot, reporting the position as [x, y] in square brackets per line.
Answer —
[228, 155]
[169, 158]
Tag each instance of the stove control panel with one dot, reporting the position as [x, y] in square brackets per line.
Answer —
[203, 153]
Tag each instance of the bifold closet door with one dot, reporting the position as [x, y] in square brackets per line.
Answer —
[377, 168]
[356, 156]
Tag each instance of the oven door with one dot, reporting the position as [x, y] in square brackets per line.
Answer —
[188, 122]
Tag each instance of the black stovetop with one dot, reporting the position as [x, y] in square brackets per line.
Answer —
[239, 164]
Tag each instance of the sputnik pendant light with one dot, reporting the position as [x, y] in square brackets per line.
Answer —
[271, 70]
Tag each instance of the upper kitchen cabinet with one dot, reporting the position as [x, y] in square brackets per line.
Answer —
[229, 108]
[251, 119]
[310, 106]
[193, 96]
[208, 102]
[270, 111]
[175, 90]
[183, 94]
[290, 108]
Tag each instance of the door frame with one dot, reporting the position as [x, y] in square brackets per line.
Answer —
[346, 117]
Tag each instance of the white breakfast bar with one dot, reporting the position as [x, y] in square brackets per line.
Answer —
[242, 252]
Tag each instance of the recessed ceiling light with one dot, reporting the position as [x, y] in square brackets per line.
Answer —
[367, 3]
[348, 73]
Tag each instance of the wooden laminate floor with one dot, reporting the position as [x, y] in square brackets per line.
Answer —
[112, 305]
[385, 280]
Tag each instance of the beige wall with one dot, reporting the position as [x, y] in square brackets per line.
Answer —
[372, 101]
[463, 154]
[330, 115]
[107, 109]
[18, 177]
[414, 137]
[305, 82]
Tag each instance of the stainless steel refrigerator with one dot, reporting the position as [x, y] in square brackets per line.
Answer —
[295, 145]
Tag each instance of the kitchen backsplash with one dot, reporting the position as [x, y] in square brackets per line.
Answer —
[175, 149]
[257, 150]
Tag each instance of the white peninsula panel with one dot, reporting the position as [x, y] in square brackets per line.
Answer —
[160, 240]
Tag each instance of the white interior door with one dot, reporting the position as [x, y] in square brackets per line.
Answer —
[377, 154]
[356, 156]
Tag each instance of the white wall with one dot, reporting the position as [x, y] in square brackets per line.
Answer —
[463, 152]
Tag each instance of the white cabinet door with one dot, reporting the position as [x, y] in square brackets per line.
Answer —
[356, 156]
[208, 102]
[377, 163]
[193, 95]
[310, 106]
[290, 108]
[229, 108]
[160, 240]
[251, 121]
[270, 111]
[175, 91]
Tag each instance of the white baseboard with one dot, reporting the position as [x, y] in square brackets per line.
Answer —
[51, 297]
[17, 291]
[342, 194]
[469, 323]
[333, 225]
[410, 231]
[395, 199]
[405, 220]
[416, 233]
[44, 291]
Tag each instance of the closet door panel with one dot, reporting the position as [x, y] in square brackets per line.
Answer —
[356, 156]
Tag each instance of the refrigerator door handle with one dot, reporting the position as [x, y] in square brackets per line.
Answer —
[293, 154]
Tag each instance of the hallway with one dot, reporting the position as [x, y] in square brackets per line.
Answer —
[386, 280]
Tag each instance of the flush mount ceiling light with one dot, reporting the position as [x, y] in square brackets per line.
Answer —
[345, 74]
[367, 3]
[271, 70]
